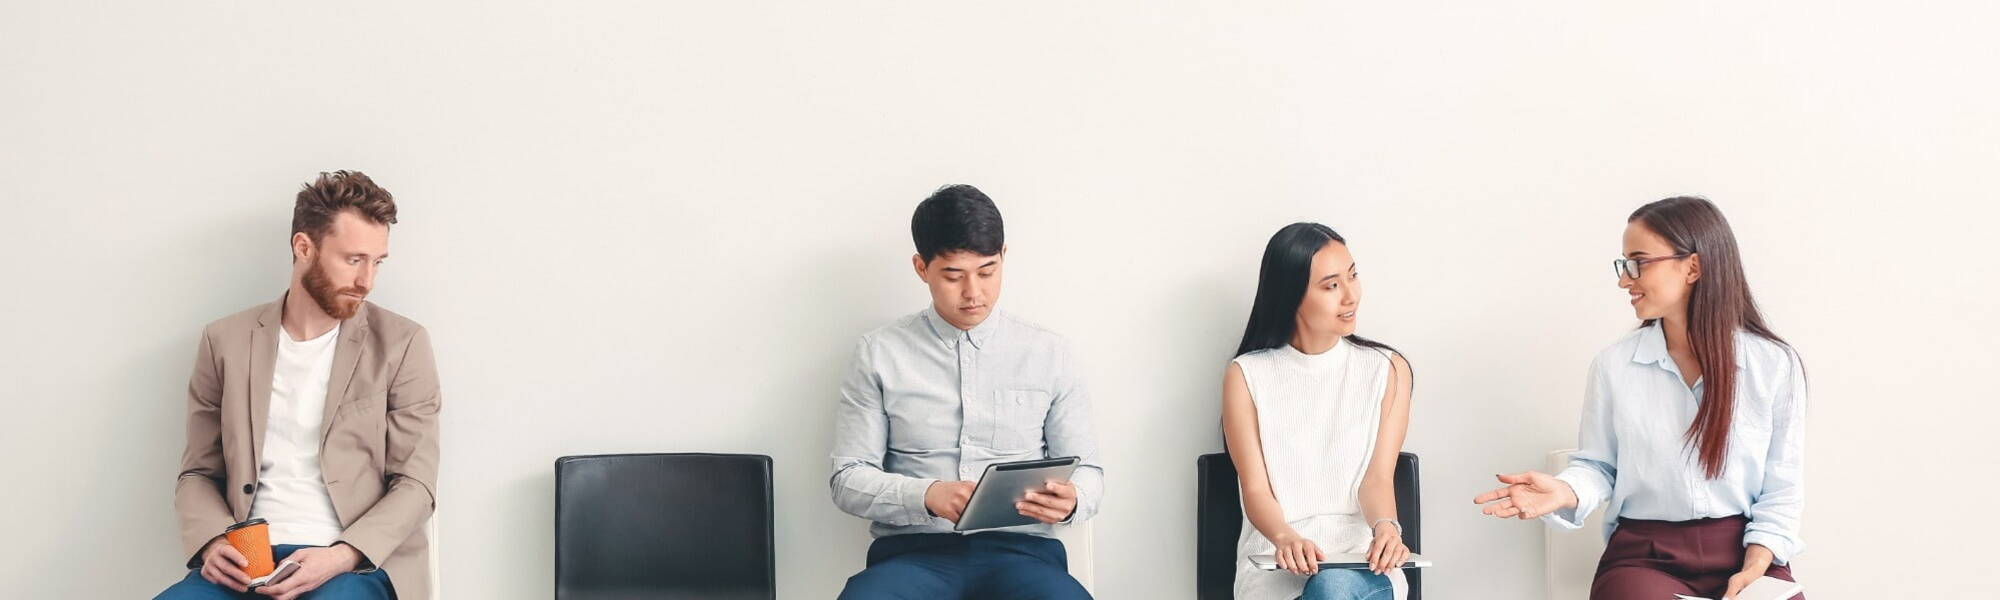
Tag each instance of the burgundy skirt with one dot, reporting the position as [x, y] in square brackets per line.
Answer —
[1653, 560]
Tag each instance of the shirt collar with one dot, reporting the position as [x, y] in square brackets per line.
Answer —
[1653, 348]
[949, 334]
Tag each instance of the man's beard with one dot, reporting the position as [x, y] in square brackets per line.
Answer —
[329, 297]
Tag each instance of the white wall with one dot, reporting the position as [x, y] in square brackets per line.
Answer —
[646, 226]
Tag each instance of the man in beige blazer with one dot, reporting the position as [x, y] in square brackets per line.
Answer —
[317, 413]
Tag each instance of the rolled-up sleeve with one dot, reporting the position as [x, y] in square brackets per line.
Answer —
[1775, 511]
[1592, 469]
[859, 484]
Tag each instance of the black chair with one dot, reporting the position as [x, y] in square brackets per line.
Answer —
[664, 526]
[1219, 520]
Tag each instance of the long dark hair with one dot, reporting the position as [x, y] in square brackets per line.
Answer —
[1281, 287]
[1719, 305]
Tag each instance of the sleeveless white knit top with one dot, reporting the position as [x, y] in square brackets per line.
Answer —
[1317, 415]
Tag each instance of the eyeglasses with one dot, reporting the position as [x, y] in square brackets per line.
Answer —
[1629, 267]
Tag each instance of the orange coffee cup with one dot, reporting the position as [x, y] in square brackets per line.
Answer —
[253, 539]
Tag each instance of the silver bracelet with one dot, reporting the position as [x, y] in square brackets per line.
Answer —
[1399, 525]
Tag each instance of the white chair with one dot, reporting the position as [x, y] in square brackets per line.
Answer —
[437, 576]
[1571, 556]
[1077, 542]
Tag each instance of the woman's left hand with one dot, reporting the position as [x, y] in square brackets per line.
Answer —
[1756, 559]
[1739, 581]
[1387, 552]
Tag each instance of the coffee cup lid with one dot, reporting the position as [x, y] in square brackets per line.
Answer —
[243, 525]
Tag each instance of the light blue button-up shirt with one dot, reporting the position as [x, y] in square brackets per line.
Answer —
[1631, 449]
[925, 401]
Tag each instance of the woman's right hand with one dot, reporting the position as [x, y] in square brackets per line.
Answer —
[1297, 554]
[1528, 495]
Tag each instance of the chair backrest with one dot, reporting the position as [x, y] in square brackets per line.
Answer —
[664, 526]
[437, 574]
[1219, 520]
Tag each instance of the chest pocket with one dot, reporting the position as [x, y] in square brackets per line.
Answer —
[364, 394]
[361, 419]
[365, 405]
[1018, 418]
[1751, 424]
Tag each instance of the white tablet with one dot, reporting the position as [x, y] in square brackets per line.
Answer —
[1003, 484]
[1356, 561]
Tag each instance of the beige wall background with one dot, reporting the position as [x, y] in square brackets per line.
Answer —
[658, 226]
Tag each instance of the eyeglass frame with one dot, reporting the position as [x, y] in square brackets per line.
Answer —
[1619, 266]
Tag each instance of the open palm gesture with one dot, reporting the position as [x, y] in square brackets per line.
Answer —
[1528, 495]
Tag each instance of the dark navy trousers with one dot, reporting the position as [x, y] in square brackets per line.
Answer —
[979, 566]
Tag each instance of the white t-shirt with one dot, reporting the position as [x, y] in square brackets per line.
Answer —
[291, 494]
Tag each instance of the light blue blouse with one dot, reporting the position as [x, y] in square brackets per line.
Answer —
[1631, 449]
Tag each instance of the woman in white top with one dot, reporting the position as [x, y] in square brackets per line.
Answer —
[1693, 435]
[1314, 417]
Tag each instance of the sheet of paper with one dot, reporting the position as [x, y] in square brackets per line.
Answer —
[1764, 588]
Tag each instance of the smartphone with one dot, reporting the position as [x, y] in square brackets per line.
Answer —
[284, 570]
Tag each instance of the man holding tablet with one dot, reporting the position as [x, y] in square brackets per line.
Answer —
[933, 399]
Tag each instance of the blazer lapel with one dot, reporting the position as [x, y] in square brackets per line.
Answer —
[346, 357]
[263, 360]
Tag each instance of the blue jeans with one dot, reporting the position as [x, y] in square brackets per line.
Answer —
[345, 586]
[1347, 584]
[980, 566]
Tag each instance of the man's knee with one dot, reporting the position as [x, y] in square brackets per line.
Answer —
[1058, 585]
[352, 586]
[1037, 582]
[897, 579]
[193, 587]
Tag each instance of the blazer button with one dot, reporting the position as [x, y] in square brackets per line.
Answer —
[247, 489]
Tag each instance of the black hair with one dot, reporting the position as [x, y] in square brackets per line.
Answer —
[957, 218]
[1281, 287]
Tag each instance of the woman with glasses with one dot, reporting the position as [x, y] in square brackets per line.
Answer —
[1693, 435]
[1314, 417]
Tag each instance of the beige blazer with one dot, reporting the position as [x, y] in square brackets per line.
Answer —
[378, 442]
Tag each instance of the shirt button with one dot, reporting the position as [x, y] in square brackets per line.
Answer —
[247, 488]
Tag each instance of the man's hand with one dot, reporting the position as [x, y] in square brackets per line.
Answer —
[1051, 504]
[316, 566]
[947, 498]
[222, 565]
[1528, 495]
